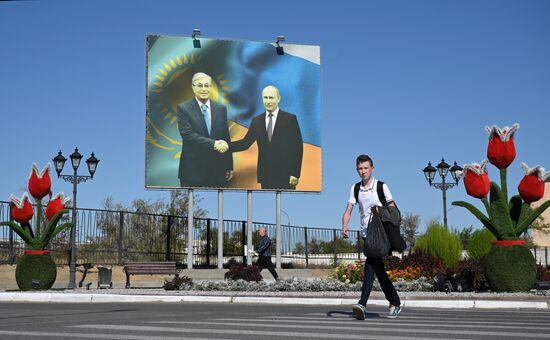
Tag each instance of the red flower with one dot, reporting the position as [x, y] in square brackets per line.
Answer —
[21, 210]
[476, 179]
[39, 181]
[531, 187]
[501, 150]
[57, 203]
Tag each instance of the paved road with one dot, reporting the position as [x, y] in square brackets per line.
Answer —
[230, 321]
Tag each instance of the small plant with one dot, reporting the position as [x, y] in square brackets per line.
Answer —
[441, 242]
[350, 272]
[429, 265]
[543, 273]
[408, 274]
[393, 262]
[239, 271]
[480, 243]
[472, 273]
[178, 283]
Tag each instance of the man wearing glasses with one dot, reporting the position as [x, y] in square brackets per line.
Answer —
[205, 160]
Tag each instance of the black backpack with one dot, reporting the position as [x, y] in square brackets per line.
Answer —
[390, 217]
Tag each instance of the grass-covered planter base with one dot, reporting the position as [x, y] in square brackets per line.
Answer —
[35, 271]
[510, 268]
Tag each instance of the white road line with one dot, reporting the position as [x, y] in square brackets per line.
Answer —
[246, 332]
[350, 318]
[367, 327]
[351, 325]
[100, 336]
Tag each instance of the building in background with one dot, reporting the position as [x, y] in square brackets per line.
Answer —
[541, 238]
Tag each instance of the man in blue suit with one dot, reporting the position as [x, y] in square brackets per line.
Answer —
[204, 160]
[280, 144]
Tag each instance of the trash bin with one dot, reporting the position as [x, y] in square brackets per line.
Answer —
[104, 277]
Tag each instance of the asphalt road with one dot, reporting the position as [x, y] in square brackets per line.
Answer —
[260, 321]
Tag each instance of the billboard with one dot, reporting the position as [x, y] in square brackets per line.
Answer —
[232, 115]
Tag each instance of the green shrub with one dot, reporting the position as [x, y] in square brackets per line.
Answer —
[480, 243]
[510, 269]
[35, 272]
[239, 271]
[441, 242]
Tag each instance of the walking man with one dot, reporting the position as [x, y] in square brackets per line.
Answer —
[368, 198]
[264, 254]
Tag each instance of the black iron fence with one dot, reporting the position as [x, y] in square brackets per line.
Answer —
[114, 237]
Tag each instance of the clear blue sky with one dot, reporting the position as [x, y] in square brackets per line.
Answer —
[406, 82]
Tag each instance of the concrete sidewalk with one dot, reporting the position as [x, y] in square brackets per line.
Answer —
[409, 299]
[144, 292]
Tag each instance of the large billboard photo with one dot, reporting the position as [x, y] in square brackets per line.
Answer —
[232, 115]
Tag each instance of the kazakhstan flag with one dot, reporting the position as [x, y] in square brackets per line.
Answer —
[239, 70]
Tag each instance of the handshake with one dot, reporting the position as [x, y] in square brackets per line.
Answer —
[221, 146]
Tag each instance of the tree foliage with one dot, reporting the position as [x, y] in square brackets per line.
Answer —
[409, 225]
[143, 227]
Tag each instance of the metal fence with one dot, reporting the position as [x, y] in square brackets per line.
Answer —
[114, 237]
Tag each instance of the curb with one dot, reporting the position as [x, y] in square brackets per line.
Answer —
[110, 298]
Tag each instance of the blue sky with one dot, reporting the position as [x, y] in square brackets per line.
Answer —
[406, 82]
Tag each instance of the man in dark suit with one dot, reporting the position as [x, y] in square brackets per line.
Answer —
[280, 144]
[204, 160]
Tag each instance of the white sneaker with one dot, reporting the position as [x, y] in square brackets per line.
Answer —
[394, 312]
[359, 311]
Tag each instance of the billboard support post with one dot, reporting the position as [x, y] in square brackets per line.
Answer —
[220, 229]
[249, 227]
[278, 226]
[190, 225]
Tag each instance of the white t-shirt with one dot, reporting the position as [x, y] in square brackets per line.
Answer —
[368, 198]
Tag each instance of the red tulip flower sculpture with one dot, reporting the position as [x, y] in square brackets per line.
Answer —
[507, 220]
[22, 211]
[36, 269]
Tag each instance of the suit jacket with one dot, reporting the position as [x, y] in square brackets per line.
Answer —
[280, 158]
[201, 165]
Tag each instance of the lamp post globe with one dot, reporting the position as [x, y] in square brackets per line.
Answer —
[59, 163]
[75, 159]
[429, 172]
[456, 171]
[92, 162]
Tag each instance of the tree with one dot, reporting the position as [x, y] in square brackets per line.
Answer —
[409, 226]
[144, 225]
[465, 235]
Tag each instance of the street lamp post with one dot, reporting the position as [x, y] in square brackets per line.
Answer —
[75, 179]
[443, 169]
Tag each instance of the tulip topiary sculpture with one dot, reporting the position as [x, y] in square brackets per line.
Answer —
[509, 266]
[36, 269]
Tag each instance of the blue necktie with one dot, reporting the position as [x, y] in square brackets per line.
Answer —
[206, 114]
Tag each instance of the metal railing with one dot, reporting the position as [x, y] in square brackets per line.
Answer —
[114, 237]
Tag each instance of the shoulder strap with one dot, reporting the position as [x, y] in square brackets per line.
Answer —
[356, 191]
[380, 191]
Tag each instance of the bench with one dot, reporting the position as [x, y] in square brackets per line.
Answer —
[149, 268]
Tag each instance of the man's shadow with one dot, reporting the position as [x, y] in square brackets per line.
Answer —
[342, 314]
